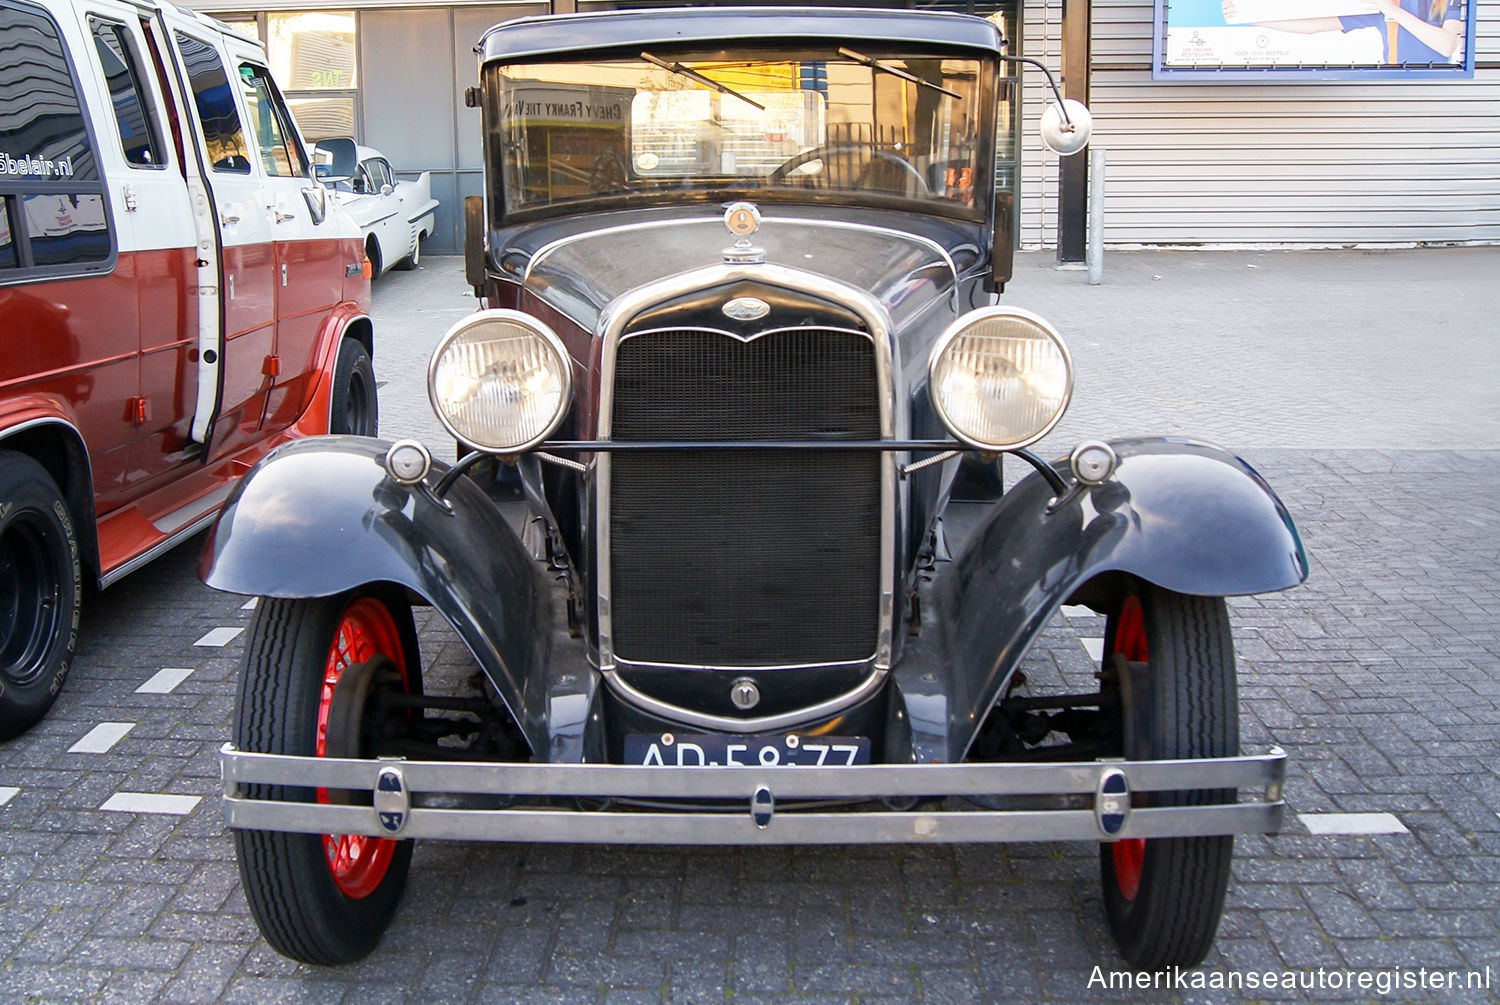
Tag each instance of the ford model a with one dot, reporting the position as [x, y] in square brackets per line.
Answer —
[740, 340]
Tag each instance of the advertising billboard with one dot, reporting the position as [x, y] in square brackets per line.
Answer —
[1274, 39]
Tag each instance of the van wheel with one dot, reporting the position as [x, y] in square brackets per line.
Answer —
[41, 581]
[355, 408]
[1164, 896]
[414, 259]
[312, 670]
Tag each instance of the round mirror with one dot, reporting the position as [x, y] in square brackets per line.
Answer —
[1066, 127]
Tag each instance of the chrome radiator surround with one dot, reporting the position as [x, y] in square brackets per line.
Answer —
[613, 324]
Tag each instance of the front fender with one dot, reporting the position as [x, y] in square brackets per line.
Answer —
[1186, 516]
[319, 516]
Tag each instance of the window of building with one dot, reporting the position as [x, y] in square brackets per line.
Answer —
[313, 53]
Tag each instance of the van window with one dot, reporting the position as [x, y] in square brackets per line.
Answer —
[223, 133]
[138, 135]
[8, 258]
[280, 150]
[42, 132]
[53, 217]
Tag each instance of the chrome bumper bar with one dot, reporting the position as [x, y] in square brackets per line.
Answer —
[398, 788]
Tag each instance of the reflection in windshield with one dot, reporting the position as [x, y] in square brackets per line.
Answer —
[865, 127]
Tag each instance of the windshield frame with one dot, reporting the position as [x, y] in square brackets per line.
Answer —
[987, 82]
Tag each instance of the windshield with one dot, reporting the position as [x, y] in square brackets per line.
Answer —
[844, 123]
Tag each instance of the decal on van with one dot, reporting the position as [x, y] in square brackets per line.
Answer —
[40, 167]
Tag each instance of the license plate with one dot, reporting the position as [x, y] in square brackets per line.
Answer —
[713, 750]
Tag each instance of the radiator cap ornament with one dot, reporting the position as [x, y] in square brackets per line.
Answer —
[742, 219]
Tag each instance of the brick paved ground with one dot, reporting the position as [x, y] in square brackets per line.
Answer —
[1381, 678]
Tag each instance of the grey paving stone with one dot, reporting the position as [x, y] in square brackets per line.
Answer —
[1381, 677]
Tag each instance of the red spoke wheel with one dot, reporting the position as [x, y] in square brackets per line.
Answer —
[311, 669]
[357, 862]
[1174, 658]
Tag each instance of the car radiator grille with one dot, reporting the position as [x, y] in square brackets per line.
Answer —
[745, 558]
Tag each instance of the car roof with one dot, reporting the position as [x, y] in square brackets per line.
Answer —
[552, 35]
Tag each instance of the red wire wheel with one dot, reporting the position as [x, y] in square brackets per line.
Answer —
[1130, 642]
[356, 862]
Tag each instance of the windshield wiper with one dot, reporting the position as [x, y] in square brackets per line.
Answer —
[694, 75]
[896, 71]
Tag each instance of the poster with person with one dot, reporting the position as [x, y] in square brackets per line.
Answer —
[1321, 37]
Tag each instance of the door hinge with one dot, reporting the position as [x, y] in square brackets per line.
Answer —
[128, 197]
[138, 411]
[283, 273]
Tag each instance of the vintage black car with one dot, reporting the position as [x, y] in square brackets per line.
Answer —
[741, 348]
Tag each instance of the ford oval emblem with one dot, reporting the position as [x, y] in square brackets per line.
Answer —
[746, 309]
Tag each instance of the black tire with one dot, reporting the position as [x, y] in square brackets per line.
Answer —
[414, 259]
[355, 407]
[1163, 897]
[41, 580]
[319, 899]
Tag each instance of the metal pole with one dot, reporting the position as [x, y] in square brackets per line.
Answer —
[1096, 216]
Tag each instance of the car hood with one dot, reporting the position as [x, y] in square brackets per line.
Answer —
[579, 266]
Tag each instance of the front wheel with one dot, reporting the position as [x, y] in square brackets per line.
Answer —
[312, 671]
[1172, 658]
[355, 408]
[40, 583]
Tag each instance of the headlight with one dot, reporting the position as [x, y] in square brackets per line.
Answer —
[1000, 378]
[500, 381]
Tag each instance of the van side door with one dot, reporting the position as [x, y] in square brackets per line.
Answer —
[247, 293]
[149, 184]
[311, 256]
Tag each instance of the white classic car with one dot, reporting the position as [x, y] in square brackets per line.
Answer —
[395, 216]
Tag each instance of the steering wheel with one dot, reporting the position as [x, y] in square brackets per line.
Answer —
[822, 152]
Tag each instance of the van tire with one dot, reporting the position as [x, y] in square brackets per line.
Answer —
[355, 408]
[41, 582]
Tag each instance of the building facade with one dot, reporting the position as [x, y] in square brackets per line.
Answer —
[1193, 160]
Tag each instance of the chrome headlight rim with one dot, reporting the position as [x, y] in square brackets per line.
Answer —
[537, 327]
[960, 325]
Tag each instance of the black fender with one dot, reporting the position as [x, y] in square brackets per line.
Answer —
[1186, 516]
[320, 515]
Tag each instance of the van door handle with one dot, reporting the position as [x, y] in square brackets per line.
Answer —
[284, 217]
[228, 219]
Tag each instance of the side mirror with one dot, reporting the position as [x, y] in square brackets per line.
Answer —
[387, 188]
[1066, 126]
[340, 156]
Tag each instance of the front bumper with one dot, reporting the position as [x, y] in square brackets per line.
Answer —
[415, 799]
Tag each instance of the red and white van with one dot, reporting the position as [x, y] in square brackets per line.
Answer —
[177, 297]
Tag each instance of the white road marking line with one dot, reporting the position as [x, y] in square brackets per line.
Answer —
[249, 605]
[103, 736]
[7, 793]
[219, 637]
[164, 680]
[150, 802]
[1352, 823]
[1077, 611]
[1095, 649]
